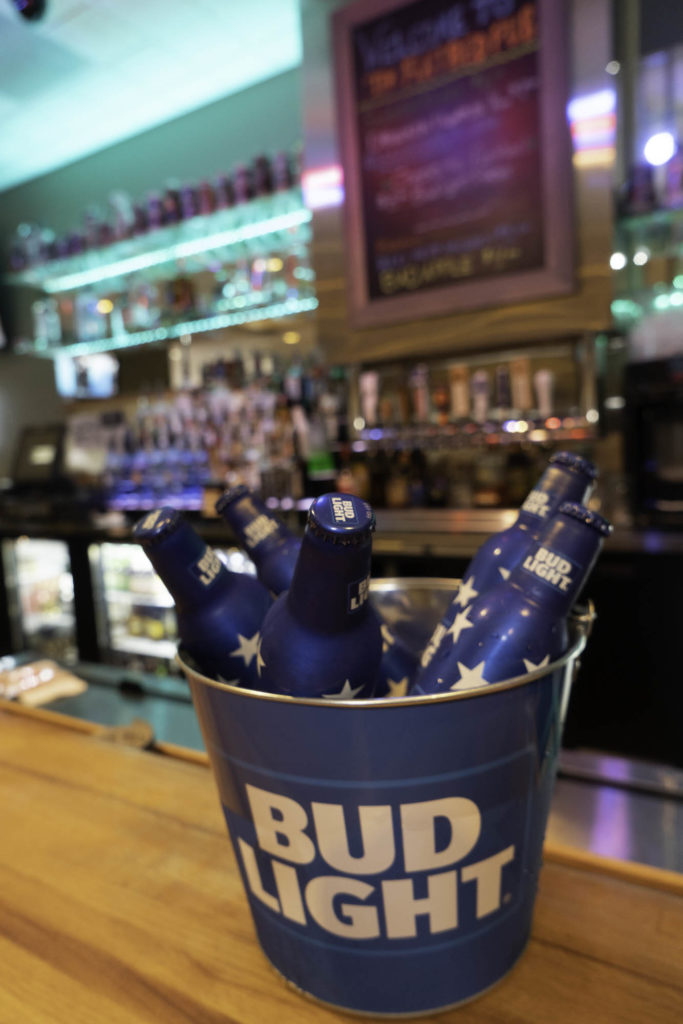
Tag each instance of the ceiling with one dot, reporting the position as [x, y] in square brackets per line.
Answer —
[94, 72]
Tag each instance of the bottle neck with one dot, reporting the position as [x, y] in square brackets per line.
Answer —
[254, 524]
[558, 484]
[191, 571]
[556, 568]
[330, 586]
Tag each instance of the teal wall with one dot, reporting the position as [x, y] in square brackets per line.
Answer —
[262, 119]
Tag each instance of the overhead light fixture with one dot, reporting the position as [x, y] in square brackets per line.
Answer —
[659, 148]
[32, 10]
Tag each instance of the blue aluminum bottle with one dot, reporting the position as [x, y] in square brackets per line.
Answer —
[568, 477]
[272, 547]
[520, 624]
[322, 638]
[398, 666]
[219, 612]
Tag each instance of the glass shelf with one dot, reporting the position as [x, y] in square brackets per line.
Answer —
[652, 219]
[276, 311]
[268, 220]
[473, 435]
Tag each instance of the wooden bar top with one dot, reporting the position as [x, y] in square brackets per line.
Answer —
[120, 901]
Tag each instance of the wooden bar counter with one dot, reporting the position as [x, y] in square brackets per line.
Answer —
[121, 903]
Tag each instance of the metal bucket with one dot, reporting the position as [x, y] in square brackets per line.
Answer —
[390, 849]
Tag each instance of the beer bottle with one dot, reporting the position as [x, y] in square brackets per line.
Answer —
[322, 638]
[568, 477]
[272, 547]
[521, 624]
[398, 666]
[219, 612]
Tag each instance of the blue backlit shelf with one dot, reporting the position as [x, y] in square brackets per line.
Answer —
[263, 223]
[275, 311]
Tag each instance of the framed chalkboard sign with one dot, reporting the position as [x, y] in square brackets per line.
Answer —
[456, 153]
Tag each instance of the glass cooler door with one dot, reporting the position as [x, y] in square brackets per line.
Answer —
[135, 614]
[134, 610]
[41, 595]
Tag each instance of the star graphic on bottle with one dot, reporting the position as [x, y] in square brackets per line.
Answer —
[398, 688]
[466, 593]
[249, 648]
[260, 663]
[505, 573]
[470, 678]
[347, 692]
[530, 666]
[388, 638]
[460, 622]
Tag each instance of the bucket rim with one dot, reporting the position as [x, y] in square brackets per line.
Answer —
[581, 622]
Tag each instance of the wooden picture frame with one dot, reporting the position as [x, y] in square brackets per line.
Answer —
[456, 154]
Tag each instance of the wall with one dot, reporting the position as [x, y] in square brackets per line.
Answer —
[27, 398]
[261, 119]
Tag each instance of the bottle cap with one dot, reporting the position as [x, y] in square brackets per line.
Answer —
[341, 518]
[240, 491]
[156, 525]
[587, 516]
[574, 462]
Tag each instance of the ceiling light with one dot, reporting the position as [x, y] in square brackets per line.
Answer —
[659, 148]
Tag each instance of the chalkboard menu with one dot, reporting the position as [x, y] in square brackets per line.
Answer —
[456, 154]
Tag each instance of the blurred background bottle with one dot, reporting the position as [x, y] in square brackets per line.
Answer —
[270, 544]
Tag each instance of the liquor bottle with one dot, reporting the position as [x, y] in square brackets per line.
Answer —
[272, 547]
[568, 477]
[521, 624]
[219, 612]
[322, 638]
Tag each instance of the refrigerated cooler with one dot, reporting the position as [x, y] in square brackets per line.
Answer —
[40, 597]
[134, 612]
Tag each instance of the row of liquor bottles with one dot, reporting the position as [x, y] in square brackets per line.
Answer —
[290, 432]
[142, 303]
[263, 427]
[125, 217]
[450, 391]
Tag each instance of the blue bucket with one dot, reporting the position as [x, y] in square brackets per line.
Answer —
[390, 849]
